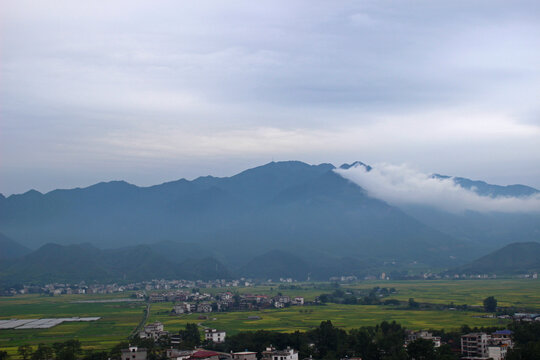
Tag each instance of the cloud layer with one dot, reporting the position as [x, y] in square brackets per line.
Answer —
[146, 92]
[402, 185]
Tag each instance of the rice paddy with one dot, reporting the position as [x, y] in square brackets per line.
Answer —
[118, 319]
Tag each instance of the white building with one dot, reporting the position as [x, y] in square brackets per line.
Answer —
[272, 354]
[298, 300]
[414, 335]
[153, 331]
[475, 346]
[133, 353]
[497, 352]
[214, 335]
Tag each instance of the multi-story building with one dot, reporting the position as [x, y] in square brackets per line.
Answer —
[214, 335]
[475, 346]
[481, 346]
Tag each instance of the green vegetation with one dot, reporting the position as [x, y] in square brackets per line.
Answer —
[118, 319]
[527, 339]
[508, 292]
[306, 318]
[490, 304]
[384, 341]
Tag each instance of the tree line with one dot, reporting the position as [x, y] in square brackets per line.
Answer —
[384, 341]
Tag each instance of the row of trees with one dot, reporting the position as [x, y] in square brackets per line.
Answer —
[67, 350]
[384, 341]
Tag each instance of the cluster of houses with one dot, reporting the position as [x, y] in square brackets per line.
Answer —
[482, 346]
[474, 346]
[153, 331]
[156, 331]
[526, 317]
[56, 289]
[96, 288]
[415, 335]
[205, 303]
[271, 353]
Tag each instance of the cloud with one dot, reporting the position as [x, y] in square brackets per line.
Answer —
[403, 185]
[132, 83]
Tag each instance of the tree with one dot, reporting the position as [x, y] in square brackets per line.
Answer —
[190, 336]
[25, 351]
[43, 352]
[527, 341]
[421, 349]
[444, 352]
[413, 304]
[67, 350]
[327, 339]
[390, 338]
[490, 304]
[96, 355]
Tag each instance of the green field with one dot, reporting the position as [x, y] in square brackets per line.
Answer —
[120, 318]
[508, 292]
[308, 317]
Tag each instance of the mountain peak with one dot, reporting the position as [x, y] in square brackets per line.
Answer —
[354, 165]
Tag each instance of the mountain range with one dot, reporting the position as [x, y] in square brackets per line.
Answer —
[291, 217]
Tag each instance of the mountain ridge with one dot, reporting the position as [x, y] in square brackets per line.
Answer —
[286, 206]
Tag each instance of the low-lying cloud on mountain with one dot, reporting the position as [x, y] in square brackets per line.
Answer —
[403, 185]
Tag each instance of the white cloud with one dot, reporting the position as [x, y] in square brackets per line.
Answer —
[402, 185]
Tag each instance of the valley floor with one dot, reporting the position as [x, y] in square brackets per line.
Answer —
[119, 319]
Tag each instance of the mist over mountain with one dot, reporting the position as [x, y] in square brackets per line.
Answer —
[333, 223]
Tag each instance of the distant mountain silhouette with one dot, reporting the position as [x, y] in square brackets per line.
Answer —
[84, 262]
[10, 249]
[289, 207]
[514, 258]
[282, 205]
[276, 264]
[485, 189]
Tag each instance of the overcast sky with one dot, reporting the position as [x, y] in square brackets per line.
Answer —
[150, 91]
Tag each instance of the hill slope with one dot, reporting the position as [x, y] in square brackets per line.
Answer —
[10, 249]
[512, 259]
[289, 206]
[75, 263]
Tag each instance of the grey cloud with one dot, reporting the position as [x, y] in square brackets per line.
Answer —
[108, 81]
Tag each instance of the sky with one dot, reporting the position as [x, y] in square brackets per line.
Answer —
[149, 92]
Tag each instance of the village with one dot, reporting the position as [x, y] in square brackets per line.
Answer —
[83, 288]
[473, 346]
[187, 302]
